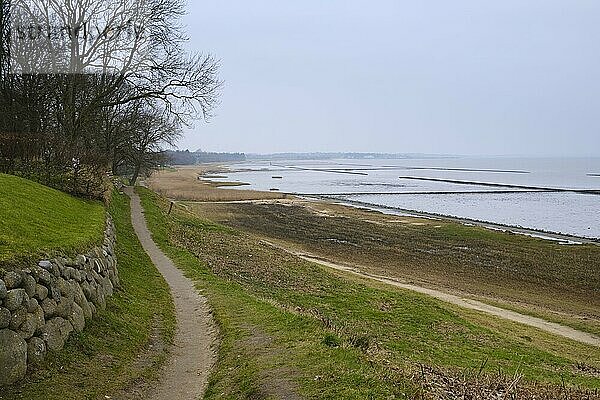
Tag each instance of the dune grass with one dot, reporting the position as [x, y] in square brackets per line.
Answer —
[121, 350]
[292, 329]
[37, 220]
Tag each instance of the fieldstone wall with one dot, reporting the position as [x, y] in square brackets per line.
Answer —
[42, 305]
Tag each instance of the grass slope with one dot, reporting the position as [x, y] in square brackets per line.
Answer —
[124, 346]
[291, 328]
[494, 265]
[35, 219]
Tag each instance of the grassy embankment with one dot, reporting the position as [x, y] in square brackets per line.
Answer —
[292, 328]
[124, 346]
[37, 220]
[513, 271]
[531, 276]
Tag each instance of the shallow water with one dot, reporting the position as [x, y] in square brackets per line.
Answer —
[382, 182]
[567, 213]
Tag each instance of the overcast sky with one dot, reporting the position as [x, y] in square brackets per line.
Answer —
[462, 77]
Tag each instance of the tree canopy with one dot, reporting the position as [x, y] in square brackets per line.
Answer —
[90, 86]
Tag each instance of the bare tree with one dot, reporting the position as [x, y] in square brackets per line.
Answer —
[155, 130]
[99, 71]
[134, 42]
[5, 7]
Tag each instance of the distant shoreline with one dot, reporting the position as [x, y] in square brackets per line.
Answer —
[539, 233]
[330, 198]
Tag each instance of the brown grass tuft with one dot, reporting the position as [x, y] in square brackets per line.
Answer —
[475, 385]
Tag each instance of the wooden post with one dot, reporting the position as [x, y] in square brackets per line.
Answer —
[171, 207]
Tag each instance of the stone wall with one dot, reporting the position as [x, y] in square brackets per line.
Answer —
[41, 306]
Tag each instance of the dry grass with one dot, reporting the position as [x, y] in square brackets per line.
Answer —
[340, 337]
[474, 385]
[184, 184]
[433, 253]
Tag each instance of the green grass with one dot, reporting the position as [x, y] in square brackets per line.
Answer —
[112, 356]
[291, 325]
[585, 325]
[266, 351]
[36, 220]
[442, 254]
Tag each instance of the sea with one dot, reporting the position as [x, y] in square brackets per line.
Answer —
[554, 195]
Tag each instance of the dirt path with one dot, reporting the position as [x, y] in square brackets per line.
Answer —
[551, 327]
[186, 374]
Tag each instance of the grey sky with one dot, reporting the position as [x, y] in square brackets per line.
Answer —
[468, 77]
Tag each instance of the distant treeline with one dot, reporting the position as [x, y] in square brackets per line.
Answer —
[186, 157]
[332, 156]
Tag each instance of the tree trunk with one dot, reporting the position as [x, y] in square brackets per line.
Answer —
[136, 174]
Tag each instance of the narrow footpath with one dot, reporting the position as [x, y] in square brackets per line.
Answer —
[186, 373]
[547, 326]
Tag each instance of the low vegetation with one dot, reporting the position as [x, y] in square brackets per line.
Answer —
[123, 347]
[37, 220]
[500, 267]
[291, 329]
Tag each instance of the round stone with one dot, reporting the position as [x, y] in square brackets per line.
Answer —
[13, 357]
[36, 351]
[32, 305]
[17, 318]
[5, 317]
[55, 332]
[77, 318]
[49, 307]
[14, 298]
[12, 280]
[29, 285]
[3, 289]
[41, 292]
[28, 327]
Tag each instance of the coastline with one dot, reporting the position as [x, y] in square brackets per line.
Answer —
[472, 259]
[518, 230]
[535, 276]
[269, 295]
[561, 238]
[545, 234]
